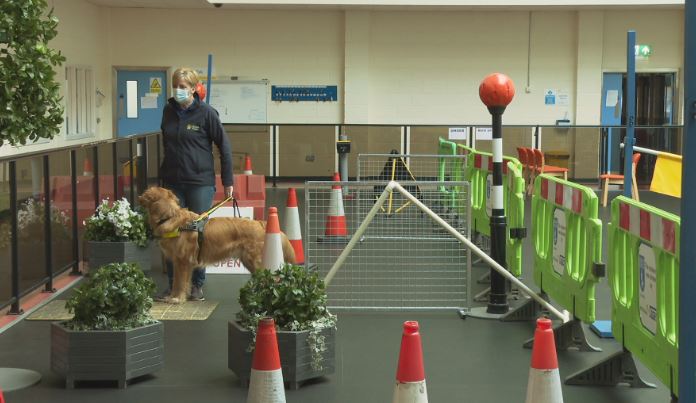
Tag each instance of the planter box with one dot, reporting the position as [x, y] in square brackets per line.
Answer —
[118, 355]
[295, 355]
[101, 253]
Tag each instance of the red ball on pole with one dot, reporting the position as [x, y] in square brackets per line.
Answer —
[200, 89]
[496, 90]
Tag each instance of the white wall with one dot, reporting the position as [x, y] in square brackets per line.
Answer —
[391, 67]
[82, 38]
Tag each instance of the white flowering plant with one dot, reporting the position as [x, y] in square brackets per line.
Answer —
[30, 221]
[117, 223]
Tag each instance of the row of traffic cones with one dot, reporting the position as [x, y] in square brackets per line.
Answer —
[266, 384]
[273, 248]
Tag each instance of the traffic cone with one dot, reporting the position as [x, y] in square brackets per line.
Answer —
[292, 225]
[410, 375]
[273, 246]
[2, 398]
[336, 230]
[266, 383]
[87, 168]
[247, 165]
[544, 385]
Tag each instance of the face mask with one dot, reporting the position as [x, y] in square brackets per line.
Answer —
[181, 95]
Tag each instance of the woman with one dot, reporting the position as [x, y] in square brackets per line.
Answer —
[189, 129]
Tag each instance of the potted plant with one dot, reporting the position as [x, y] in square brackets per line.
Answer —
[117, 233]
[295, 298]
[112, 335]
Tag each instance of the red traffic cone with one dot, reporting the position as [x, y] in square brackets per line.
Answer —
[87, 168]
[2, 398]
[266, 383]
[544, 385]
[410, 375]
[336, 229]
[273, 246]
[292, 226]
[247, 165]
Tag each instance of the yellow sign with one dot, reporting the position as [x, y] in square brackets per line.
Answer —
[155, 85]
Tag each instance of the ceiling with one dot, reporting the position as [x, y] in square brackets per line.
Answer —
[389, 4]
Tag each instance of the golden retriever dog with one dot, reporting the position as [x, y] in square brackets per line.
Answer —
[223, 238]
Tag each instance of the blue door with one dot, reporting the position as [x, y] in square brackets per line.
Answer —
[140, 99]
[612, 106]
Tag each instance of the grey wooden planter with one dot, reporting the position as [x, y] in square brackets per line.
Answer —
[101, 355]
[295, 355]
[101, 253]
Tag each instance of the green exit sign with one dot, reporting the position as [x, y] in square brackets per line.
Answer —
[643, 51]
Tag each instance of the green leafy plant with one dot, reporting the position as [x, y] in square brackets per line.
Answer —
[294, 297]
[118, 296]
[29, 95]
[117, 223]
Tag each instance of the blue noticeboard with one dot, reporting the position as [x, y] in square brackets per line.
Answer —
[317, 93]
[550, 98]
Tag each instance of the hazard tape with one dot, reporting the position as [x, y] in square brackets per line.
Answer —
[657, 230]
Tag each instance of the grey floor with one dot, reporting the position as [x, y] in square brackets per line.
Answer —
[470, 360]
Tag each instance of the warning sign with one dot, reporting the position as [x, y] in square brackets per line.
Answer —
[155, 85]
[559, 241]
[648, 287]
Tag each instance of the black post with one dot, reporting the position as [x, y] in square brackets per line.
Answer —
[496, 91]
[273, 154]
[95, 178]
[114, 169]
[14, 249]
[131, 171]
[497, 300]
[48, 240]
[73, 188]
[143, 161]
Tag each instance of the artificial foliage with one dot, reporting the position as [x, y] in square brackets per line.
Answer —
[295, 297]
[30, 102]
[117, 223]
[118, 296]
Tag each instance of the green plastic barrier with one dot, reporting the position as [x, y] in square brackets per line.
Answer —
[643, 274]
[515, 219]
[479, 173]
[567, 241]
[449, 169]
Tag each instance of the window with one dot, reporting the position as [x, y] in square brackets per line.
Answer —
[80, 116]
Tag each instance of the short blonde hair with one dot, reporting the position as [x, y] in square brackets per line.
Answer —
[187, 75]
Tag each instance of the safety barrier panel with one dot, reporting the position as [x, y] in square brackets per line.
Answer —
[449, 169]
[567, 241]
[644, 279]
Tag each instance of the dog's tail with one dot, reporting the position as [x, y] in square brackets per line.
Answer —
[288, 250]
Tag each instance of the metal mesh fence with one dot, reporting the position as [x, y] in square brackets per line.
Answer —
[410, 167]
[404, 260]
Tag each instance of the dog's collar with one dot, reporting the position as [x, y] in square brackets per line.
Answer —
[171, 234]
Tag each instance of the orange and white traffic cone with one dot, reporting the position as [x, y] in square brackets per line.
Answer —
[292, 227]
[544, 385]
[273, 246]
[410, 375]
[336, 229]
[87, 168]
[247, 165]
[2, 398]
[266, 382]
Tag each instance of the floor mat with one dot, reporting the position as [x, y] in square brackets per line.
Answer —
[198, 310]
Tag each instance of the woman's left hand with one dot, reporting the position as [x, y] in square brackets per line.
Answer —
[229, 190]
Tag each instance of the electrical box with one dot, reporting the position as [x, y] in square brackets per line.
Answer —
[343, 146]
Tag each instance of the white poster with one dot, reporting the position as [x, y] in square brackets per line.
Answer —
[648, 287]
[612, 98]
[231, 266]
[458, 133]
[562, 98]
[559, 241]
[489, 202]
[484, 133]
